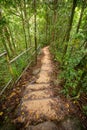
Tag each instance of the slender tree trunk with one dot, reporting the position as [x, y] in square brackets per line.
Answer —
[29, 35]
[70, 24]
[3, 38]
[80, 18]
[53, 34]
[23, 23]
[12, 39]
[71, 20]
[4, 43]
[35, 31]
[46, 23]
[6, 32]
[54, 19]
[27, 23]
[49, 31]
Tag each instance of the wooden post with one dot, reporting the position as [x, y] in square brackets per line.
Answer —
[10, 67]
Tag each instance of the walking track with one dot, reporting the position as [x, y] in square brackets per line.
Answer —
[39, 102]
[36, 102]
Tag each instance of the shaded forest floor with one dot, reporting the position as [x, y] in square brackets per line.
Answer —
[37, 97]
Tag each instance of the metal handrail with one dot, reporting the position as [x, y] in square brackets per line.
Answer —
[13, 60]
[2, 54]
[5, 87]
[27, 66]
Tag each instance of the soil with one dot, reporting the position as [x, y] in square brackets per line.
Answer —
[37, 97]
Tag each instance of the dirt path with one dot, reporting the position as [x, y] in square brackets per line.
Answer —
[36, 102]
[39, 102]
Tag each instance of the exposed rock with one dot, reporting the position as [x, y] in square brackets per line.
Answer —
[35, 87]
[70, 124]
[40, 94]
[35, 72]
[45, 109]
[43, 77]
[44, 126]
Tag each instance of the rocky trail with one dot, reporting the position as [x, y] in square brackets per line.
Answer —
[36, 101]
[42, 107]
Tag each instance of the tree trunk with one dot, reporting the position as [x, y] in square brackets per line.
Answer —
[71, 20]
[4, 43]
[12, 38]
[27, 22]
[23, 23]
[70, 24]
[80, 18]
[54, 19]
[7, 35]
[35, 31]
[46, 23]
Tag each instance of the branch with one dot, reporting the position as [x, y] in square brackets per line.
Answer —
[18, 15]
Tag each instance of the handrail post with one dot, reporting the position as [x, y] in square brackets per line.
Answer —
[10, 67]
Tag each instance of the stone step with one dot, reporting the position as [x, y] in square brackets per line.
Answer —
[46, 61]
[38, 94]
[46, 68]
[45, 109]
[69, 123]
[44, 126]
[43, 77]
[41, 86]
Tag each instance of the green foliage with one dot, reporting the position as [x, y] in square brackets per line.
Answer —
[73, 60]
[4, 73]
[85, 109]
[53, 25]
[17, 35]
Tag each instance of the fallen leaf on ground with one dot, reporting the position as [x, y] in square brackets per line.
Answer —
[12, 94]
[67, 105]
[1, 113]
